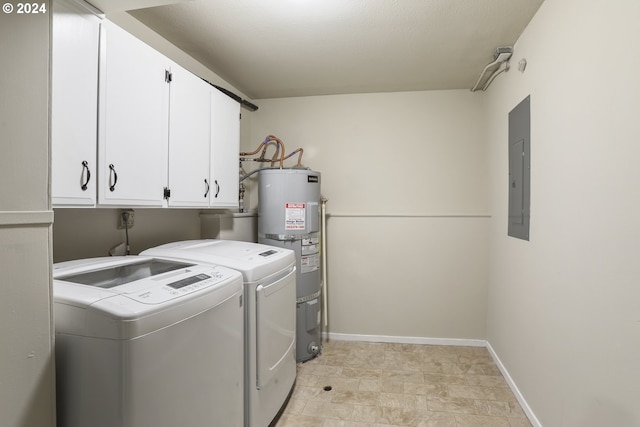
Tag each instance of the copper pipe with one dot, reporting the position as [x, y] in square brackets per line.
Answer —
[263, 145]
[298, 150]
[279, 141]
[246, 153]
[264, 150]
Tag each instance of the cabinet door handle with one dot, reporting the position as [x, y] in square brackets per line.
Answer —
[85, 167]
[112, 171]
[207, 184]
[217, 189]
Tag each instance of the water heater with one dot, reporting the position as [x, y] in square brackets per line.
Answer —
[289, 217]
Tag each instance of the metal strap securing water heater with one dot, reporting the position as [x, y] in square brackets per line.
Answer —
[308, 297]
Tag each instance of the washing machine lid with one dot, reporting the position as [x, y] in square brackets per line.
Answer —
[107, 275]
[126, 297]
[255, 261]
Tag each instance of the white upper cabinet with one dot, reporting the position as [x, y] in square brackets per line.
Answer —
[189, 139]
[134, 118]
[74, 100]
[225, 147]
[132, 128]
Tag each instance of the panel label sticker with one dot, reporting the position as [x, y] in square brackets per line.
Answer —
[294, 217]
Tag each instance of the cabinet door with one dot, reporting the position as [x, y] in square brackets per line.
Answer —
[225, 148]
[134, 110]
[74, 105]
[189, 139]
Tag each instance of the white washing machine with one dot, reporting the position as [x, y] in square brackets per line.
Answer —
[148, 342]
[269, 275]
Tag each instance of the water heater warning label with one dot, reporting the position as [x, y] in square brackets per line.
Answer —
[309, 263]
[294, 217]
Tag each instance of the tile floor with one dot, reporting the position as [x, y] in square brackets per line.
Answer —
[389, 385]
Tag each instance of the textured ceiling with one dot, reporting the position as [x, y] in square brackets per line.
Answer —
[281, 48]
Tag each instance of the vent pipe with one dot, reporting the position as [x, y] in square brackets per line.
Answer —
[499, 65]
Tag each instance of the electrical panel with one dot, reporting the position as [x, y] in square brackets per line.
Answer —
[519, 169]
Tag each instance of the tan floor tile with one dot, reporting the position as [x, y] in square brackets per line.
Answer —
[403, 376]
[370, 385]
[324, 370]
[427, 389]
[392, 385]
[477, 358]
[388, 416]
[365, 358]
[440, 357]
[307, 380]
[340, 383]
[336, 347]
[400, 355]
[398, 417]
[290, 420]
[437, 419]
[401, 385]
[295, 406]
[444, 367]
[519, 422]
[480, 392]
[345, 423]
[408, 348]
[415, 366]
[408, 361]
[435, 378]
[368, 413]
[310, 393]
[500, 409]
[421, 404]
[330, 410]
[360, 373]
[484, 368]
[487, 380]
[370, 398]
[398, 400]
[481, 421]
[454, 405]
[332, 360]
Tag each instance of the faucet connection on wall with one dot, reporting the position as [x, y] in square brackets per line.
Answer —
[126, 219]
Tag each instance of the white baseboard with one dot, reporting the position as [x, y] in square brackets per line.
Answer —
[405, 340]
[514, 388]
[444, 341]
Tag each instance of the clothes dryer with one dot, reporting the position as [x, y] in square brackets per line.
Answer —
[145, 342]
[269, 275]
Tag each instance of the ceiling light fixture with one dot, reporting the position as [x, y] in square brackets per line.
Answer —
[493, 69]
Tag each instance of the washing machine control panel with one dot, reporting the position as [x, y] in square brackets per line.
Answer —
[190, 281]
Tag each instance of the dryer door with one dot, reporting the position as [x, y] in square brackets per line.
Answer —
[275, 326]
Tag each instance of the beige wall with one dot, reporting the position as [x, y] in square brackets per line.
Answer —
[564, 312]
[406, 179]
[26, 352]
[85, 233]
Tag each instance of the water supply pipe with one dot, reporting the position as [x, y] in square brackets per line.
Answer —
[323, 242]
[268, 139]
